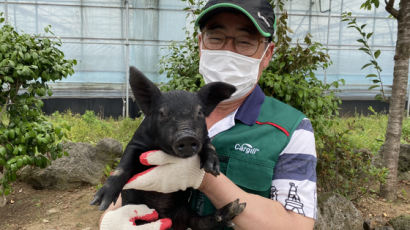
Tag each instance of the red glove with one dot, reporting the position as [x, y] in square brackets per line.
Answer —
[124, 219]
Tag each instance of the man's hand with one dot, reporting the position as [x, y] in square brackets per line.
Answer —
[124, 218]
[169, 175]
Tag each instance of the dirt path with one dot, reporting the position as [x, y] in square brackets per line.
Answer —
[30, 209]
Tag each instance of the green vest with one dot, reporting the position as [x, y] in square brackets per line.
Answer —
[248, 154]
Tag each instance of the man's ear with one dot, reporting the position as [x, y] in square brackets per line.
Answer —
[145, 92]
[213, 93]
[268, 55]
[199, 43]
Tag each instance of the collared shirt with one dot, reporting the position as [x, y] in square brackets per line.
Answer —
[294, 182]
[247, 113]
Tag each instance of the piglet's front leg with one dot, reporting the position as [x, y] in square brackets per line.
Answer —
[209, 158]
[110, 191]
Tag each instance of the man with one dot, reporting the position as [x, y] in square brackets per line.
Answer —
[266, 148]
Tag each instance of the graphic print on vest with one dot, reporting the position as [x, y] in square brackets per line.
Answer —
[246, 148]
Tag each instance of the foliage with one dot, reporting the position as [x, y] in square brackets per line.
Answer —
[91, 128]
[27, 62]
[368, 4]
[369, 131]
[357, 174]
[290, 75]
[345, 168]
[181, 64]
[377, 80]
[405, 135]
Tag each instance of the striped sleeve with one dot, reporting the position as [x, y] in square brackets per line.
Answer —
[294, 182]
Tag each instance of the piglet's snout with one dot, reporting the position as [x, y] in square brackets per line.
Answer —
[187, 145]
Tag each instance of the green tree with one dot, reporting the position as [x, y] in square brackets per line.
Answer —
[27, 63]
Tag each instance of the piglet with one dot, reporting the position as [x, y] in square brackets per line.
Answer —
[174, 123]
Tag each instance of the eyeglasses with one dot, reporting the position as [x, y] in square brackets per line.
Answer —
[244, 45]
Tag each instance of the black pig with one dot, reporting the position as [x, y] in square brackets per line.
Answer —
[175, 123]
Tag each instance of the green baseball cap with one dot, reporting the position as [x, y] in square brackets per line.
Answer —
[260, 12]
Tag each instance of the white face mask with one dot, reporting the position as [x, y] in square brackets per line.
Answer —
[229, 67]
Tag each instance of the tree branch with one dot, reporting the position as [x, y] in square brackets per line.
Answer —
[390, 8]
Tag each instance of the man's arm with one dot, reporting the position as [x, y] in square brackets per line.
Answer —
[294, 180]
[260, 213]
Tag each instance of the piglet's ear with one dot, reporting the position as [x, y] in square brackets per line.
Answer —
[213, 93]
[145, 92]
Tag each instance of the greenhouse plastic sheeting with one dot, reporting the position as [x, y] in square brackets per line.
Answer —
[94, 32]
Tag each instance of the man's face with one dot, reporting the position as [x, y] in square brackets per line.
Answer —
[237, 25]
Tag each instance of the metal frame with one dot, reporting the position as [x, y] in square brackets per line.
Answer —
[127, 42]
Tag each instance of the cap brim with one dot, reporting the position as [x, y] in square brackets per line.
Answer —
[230, 5]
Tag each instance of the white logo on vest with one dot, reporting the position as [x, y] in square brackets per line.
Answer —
[246, 148]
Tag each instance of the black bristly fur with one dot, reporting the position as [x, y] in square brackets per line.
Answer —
[168, 118]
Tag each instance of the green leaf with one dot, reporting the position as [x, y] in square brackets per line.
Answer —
[300, 93]
[373, 86]
[376, 3]
[2, 151]
[3, 48]
[369, 35]
[361, 41]
[282, 64]
[371, 75]
[11, 63]
[2, 163]
[366, 65]
[364, 49]
[379, 97]
[377, 54]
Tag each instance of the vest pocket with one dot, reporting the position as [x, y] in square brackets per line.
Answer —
[252, 174]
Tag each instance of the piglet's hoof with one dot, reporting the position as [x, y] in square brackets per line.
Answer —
[212, 165]
[209, 160]
[226, 214]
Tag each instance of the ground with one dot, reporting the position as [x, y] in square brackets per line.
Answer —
[379, 211]
[30, 209]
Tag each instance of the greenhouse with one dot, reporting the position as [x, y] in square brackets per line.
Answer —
[106, 36]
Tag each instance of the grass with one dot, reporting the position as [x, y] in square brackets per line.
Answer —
[368, 132]
[90, 128]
